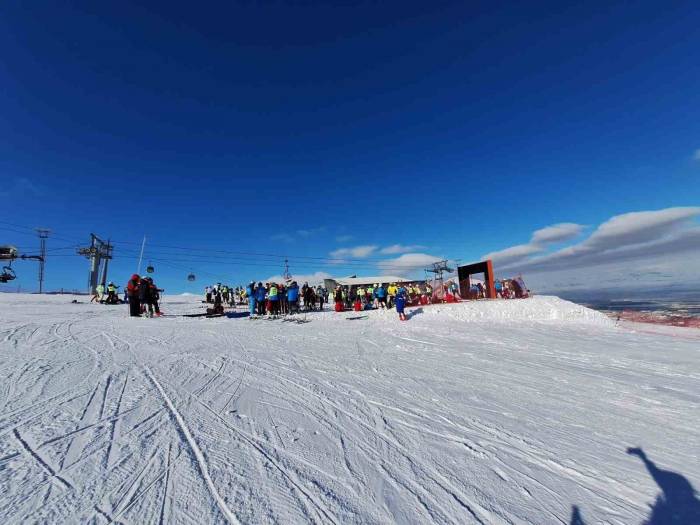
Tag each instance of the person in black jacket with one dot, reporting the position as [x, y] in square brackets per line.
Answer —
[145, 297]
[153, 297]
[133, 295]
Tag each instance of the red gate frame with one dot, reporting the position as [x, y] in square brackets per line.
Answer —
[465, 272]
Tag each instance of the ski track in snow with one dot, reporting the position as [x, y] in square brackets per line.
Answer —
[489, 412]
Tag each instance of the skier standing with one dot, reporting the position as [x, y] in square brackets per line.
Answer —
[401, 302]
[260, 293]
[145, 297]
[274, 299]
[293, 297]
[380, 294]
[339, 299]
[320, 295]
[132, 293]
[250, 293]
[153, 297]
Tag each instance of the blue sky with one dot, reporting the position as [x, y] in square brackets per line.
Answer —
[223, 131]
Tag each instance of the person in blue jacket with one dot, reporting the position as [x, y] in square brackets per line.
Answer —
[250, 294]
[380, 294]
[499, 288]
[260, 293]
[401, 302]
[293, 297]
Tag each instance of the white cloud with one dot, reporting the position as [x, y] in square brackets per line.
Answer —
[561, 232]
[539, 241]
[408, 262]
[680, 271]
[696, 155]
[398, 248]
[639, 227]
[359, 252]
[514, 253]
[636, 236]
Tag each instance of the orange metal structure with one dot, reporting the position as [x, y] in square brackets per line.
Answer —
[464, 274]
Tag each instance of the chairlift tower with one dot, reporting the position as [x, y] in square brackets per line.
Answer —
[287, 276]
[98, 251]
[439, 268]
[43, 234]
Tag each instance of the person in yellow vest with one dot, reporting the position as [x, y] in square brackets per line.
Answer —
[112, 294]
[273, 297]
[99, 292]
[361, 294]
[391, 291]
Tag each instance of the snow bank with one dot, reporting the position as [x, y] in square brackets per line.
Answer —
[545, 308]
[534, 309]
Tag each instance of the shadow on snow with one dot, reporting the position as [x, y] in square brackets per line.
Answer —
[678, 502]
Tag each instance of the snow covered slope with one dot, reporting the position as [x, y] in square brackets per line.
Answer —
[486, 412]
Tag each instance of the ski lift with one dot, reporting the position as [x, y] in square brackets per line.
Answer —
[8, 253]
[8, 274]
[149, 268]
[191, 277]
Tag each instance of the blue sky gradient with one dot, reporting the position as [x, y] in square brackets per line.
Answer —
[455, 129]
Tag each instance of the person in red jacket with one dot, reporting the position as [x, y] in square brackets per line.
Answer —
[132, 293]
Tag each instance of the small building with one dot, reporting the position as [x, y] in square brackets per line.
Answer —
[353, 280]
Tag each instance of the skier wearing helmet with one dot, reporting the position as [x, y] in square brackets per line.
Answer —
[250, 294]
[401, 302]
[132, 293]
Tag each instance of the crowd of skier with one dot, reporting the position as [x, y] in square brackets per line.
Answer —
[278, 299]
[143, 297]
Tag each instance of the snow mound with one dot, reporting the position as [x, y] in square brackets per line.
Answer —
[538, 308]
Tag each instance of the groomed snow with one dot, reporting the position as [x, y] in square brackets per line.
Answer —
[482, 412]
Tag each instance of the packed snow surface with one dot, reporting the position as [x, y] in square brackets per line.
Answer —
[484, 412]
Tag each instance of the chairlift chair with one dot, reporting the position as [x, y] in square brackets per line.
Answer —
[149, 268]
[191, 277]
[8, 274]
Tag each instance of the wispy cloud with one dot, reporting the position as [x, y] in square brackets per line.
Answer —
[283, 237]
[399, 248]
[304, 233]
[408, 262]
[635, 236]
[358, 252]
[514, 253]
[21, 187]
[539, 242]
[696, 155]
[564, 231]
[344, 238]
